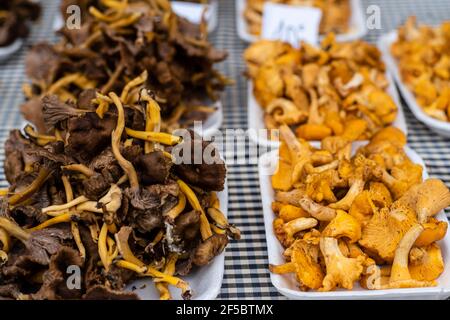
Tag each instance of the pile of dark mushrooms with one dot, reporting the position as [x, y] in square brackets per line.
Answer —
[116, 42]
[14, 18]
[103, 192]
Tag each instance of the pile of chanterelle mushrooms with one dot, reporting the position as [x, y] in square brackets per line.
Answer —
[423, 56]
[318, 91]
[366, 216]
[102, 192]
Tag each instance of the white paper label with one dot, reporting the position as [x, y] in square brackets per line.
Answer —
[291, 23]
[191, 11]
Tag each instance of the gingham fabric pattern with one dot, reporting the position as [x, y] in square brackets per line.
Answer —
[246, 273]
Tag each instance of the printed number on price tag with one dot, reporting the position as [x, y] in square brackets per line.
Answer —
[291, 23]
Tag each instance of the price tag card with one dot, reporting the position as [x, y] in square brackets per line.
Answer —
[191, 11]
[291, 23]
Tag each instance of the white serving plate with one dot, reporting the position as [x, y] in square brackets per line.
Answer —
[357, 23]
[255, 115]
[184, 9]
[188, 10]
[205, 282]
[440, 127]
[8, 51]
[287, 285]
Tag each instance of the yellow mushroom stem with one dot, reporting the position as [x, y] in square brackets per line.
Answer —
[94, 230]
[169, 269]
[132, 84]
[217, 230]
[3, 257]
[63, 82]
[222, 223]
[76, 236]
[112, 228]
[103, 17]
[74, 225]
[124, 248]
[173, 213]
[58, 135]
[67, 217]
[110, 202]
[41, 139]
[153, 118]
[31, 189]
[113, 250]
[65, 206]
[161, 137]
[67, 188]
[131, 266]
[5, 240]
[214, 201]
[114, 4]
[13, 229]
[81, 168]
[399, 269]
[205, 228]
[126, 165]
[152, 272]
[102, 247]
[113, 79]
[157, 239]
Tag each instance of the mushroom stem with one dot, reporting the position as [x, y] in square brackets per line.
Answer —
[110, 201]
[399, 269]
[102, 247]
[222, 223]
[153, 118]
[161, 137]
[116, 136]
[133, 83]
[205, 228]
[169, 269]
[13, 229]
[79, 168]
[173, 213]
[65, 206]
[66, 217]
[31, 189]
[124, 248]
[74, 225]
[5, 240]
[131, 266]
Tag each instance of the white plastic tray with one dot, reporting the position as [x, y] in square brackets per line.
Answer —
[287, 285]
[357, 23]
[212, 18]
[7, 51]
[205, 282]
[256, 115]
[440, 127]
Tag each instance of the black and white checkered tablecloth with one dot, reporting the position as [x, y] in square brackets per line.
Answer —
[246, 273]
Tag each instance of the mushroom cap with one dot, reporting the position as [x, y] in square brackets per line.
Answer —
[305, 258]
[343, 226]
[385, 230]
[430, 266]
[434, 230]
